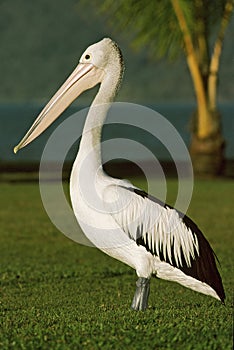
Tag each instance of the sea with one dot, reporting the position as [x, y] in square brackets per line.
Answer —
[132, 132]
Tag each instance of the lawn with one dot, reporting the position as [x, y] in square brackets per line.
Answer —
[56, 294]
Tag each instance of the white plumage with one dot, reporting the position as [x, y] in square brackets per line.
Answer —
[157, 225]
[120, 219]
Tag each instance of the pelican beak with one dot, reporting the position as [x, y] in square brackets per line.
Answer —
[84, 77]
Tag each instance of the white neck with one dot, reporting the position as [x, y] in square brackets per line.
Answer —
[90, 144]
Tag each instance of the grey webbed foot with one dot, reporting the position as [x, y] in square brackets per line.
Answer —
[140, 300]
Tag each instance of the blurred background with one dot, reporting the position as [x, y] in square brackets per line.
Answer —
[41, 43]
[56, 294]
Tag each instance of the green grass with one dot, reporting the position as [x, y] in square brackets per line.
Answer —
[56, 294]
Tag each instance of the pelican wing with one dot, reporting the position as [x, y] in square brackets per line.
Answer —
[166, 233]
[156, 226]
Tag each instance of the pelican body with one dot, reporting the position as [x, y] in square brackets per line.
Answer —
[118, 218]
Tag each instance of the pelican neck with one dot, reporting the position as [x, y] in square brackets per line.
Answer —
[90, 143]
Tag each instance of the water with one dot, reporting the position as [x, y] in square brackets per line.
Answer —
[15, 120]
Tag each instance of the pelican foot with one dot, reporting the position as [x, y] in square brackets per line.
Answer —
[140, 300]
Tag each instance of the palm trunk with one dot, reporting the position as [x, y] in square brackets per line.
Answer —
[204, 126]
[207, 144]
[207, 154]
[215, 60]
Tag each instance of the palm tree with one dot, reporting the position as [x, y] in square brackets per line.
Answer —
[169, 26]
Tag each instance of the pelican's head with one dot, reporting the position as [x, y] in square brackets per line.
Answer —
[99, 61]
[105, 55]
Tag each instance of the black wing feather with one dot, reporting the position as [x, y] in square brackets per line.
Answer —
[203, 266]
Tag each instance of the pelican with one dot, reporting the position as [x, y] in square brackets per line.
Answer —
[120, 219]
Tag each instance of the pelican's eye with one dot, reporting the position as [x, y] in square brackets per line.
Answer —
[87, 57]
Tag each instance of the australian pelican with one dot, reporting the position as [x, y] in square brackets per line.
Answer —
[123, 221]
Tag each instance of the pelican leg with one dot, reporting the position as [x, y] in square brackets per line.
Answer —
[140, 300]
